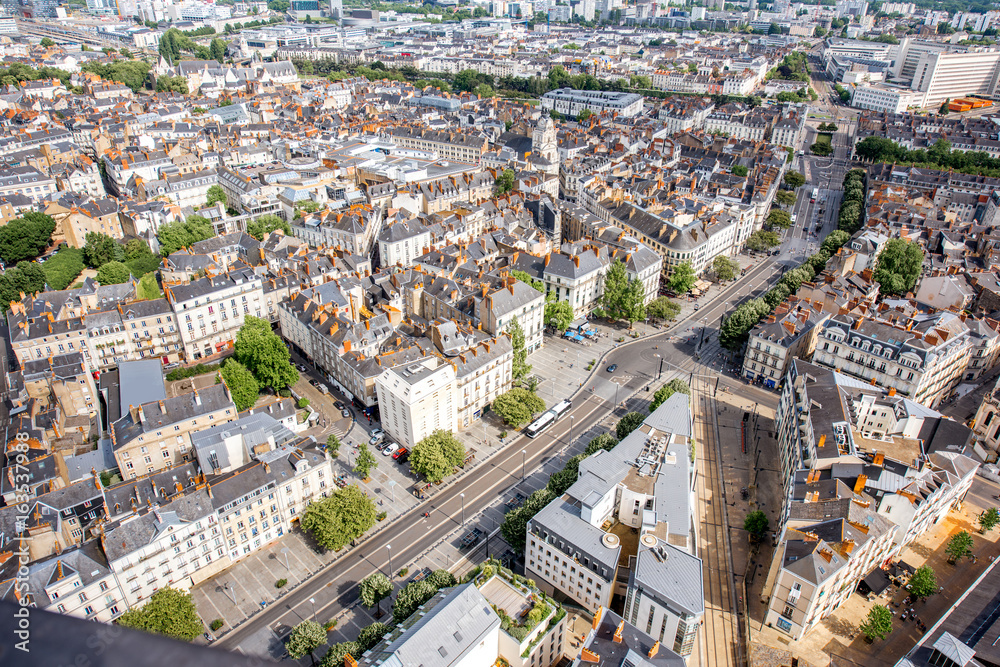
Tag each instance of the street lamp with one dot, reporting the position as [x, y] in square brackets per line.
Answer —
[229, 594]
[463, 508]
[522, 464]
[658, 372]
[388, 548]
[617, 387]
[284, 552]
[572, 419]
[313, 600]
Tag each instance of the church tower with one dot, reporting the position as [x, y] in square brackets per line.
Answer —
[543, 140]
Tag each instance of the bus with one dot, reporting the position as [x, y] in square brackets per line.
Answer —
[548, 418]
[815, 193]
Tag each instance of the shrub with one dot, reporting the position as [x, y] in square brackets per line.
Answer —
[303, 402]
[216, 624]
[280, 583]
[381, 516]
[405, 571]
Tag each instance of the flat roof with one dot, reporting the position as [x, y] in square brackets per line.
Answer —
[140, 382]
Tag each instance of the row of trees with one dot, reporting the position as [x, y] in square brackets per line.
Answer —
[174, 41]
[939, 156]
[131, 73]
[736, 328]
[853, 202]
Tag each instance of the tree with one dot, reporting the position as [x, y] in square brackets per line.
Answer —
[242, 384]
[563, 479]
[148, 288]
[628, 423]
[63, 267]
[436, 455]
[682, 278]
[666, 391]
[504, 182]
[264, 354]
[266, 224]
[515, 522]
[216, 194]
[176, 235]
[25, 237]
[786, 197]
[584, 115]
[923, 583]
[740, 170]
[898, 266]
[172, 84]
[604, 441]
[943, 109]
[365, 463]
[959, 546]
[622, 298]
[878, 623]
[761, 241]
[218, 49]
[374, 588]
[336, 520]
[517, 406]
[662, 308]
[778, 218]
[371, 635]
[725, 268]
[332, 444]
[520, 367]
[834, 240]
[483, 91]
[46, 43]
[100, 249]
[988, 519]
[756, 523]
[736, 328]
[113, 273]
[411, 596]
[794, 179]
[558, 314]
[168, 612]
[305, 638]
[820, 148]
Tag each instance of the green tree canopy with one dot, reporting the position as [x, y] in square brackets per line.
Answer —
[216, 194]
[666, 391]
[989, 519]
[410, 597]
[778, 218]
[604, 441]
[517, 406]
[515, 522]
[725, 268]
[242, 384]
[26, 278]
[923, 583]
[305, 638]
[101, 249]
[266, 224]
[558, 314]
[740, 170]
[172, 84]
[959, 546]
[26, 237]
[131, 73]
[898, 266]
[756, 523]
[336, 520]
[682, 279]
[371, 635]
[761, 241]
[794, 179]
[786, 197]
[520, 366]
[628, 423]
[365, 463]
[264, 354]
[436, 455]
[168, 612]
[374, 588]
[113, 273]
[176, 235]
[623, 298]
[736, 327]
[504, 182]
[663, 308]
[46, 43]
[63, 267]
[526, 278]
[878, 623]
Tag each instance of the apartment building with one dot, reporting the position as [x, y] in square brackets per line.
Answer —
[186, 189]
[864, 473]
[575, 275]
[789, 332]
[417, 399]
[614, 641]
[446, 145]
[571, 102]
[157, 435]
[924, 361]
[403, 242]
[125, 166]
[26, 181]
[77, 582]
[986, 425]
[643, 483]
[482, 373]
[210, 311]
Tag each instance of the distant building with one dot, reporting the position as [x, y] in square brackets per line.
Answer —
[571, 102]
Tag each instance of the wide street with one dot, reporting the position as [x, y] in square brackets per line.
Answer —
[671, 352]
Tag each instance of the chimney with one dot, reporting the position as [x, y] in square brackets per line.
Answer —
[653, 651]
[892, 391]
[587, 656]
[859, 485]
[197, 398]
[618, 633]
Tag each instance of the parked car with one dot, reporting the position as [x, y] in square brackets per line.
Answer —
[302, 369]
[381, 447]
[390, 449]
[612, 368]
[323, 389]
[401, 453]
[377, 431]
[376, 440]
[338, 404]
[315, 383]
[345, 413]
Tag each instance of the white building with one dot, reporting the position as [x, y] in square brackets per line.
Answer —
[571, 102]
[417, 399]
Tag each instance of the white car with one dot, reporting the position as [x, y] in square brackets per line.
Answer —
[390, 450]
[376, 431]
[376, 440]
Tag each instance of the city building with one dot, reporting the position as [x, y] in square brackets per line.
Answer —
[614, 641]
[571, 102]
[417, 399]
[789, 332]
